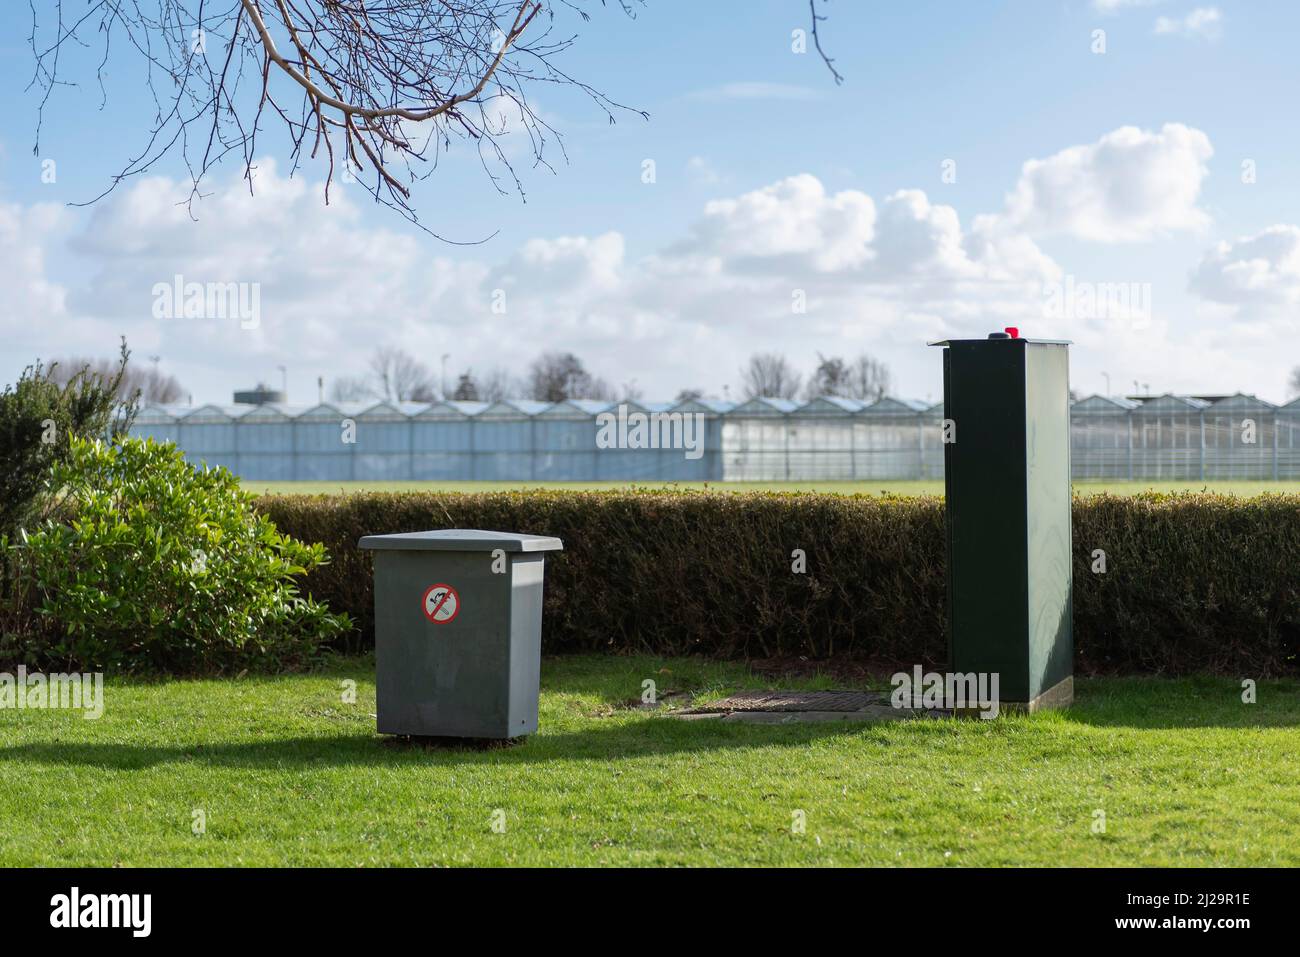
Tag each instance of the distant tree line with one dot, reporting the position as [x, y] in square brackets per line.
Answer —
[397, 376]
[394, 375]
[771, 375]
[123, 378]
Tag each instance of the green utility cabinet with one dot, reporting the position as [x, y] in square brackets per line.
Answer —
[1007, 482]
[458, 632]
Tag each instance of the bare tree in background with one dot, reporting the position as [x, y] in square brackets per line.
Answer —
[393, 375]
[556, 376]
[688, 395]
[152, 386]
[351, 389]
[769, 376]
[466, 387]
[496, 385]
[397, 376]
[493, 386]
[864, 378]
[868, 379]
[375, 89]
[830, 378]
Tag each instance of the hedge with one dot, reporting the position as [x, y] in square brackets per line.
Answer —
[1192, 583]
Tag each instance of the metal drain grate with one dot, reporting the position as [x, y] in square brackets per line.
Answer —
[797, 701]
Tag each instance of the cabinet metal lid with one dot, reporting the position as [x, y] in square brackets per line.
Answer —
[1032, 342]
[462, 540]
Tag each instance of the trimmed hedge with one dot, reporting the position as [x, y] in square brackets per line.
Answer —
[1193, 583]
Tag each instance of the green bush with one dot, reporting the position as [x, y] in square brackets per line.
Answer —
[1193, 582]
[151, 564]
[39, 418]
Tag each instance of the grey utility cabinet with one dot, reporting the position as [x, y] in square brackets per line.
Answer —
[1006, 404]
[458, 631]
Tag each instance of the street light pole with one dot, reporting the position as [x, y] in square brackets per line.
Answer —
[445, 357]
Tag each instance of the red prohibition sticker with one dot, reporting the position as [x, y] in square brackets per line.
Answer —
[441, 603]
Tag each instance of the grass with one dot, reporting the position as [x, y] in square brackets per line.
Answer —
[287, 774]
[902, 487]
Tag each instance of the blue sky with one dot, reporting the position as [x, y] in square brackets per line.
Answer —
[769, 180]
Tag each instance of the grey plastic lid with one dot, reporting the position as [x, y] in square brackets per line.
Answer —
[462, 540]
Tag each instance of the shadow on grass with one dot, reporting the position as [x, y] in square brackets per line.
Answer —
[610, 742]
[1111, 701]
[1119, 704]
[618, 679]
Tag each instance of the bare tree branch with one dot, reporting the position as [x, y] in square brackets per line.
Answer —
[375, 89]
[817, 42]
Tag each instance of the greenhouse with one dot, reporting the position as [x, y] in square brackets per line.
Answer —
[1167, 437]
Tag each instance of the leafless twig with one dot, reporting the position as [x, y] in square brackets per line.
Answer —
[817, 41]
[376, 89]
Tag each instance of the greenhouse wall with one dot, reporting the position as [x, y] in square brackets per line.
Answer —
[1158, 438]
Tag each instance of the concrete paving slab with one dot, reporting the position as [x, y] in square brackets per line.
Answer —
[796, 707]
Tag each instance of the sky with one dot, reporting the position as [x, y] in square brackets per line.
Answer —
[1120, 173]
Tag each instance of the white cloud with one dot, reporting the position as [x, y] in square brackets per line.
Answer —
[1205, 23]
[702, 172]
[567, 266]
[330, 288]
[793, 221]
[756, 90]
[1259, 270]
[1131, 185]
[795, 228]
[877, 274]
[29, 296]
[1114, 6]
[919, 239]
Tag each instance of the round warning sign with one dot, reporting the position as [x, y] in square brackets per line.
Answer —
[441, 603]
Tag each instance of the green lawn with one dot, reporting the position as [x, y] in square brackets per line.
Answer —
[845, 488]
[288, 774]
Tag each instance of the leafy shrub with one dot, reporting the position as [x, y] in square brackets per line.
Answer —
[152, 564]
[1194, 583]
[39, 417]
